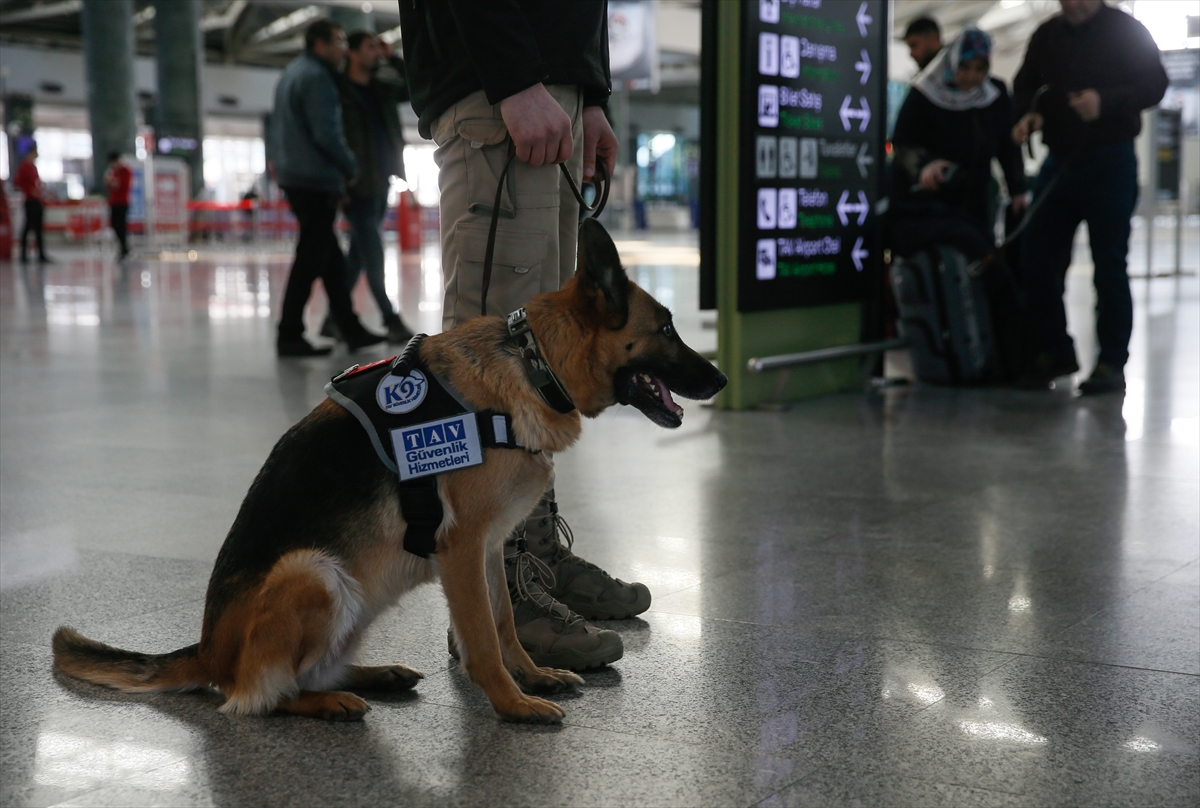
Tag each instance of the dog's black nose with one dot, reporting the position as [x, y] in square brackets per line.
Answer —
[722, 380]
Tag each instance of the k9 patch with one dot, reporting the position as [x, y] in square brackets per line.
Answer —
[438, 446]
[400, 394]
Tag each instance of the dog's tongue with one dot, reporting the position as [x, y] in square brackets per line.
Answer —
[665, 394]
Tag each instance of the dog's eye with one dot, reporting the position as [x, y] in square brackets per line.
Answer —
[668, 330]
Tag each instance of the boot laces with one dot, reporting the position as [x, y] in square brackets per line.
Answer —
[531, 576]
[564, 539]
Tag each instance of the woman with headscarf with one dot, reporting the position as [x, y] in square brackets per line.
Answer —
[954, 122]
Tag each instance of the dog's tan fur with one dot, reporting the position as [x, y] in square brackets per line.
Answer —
[282, 639]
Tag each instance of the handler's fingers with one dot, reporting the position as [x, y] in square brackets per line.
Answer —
[590, 139]
[524, 151]
[542, 154]
[564, 148]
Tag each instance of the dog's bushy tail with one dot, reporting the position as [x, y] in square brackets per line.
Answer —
[76, 655]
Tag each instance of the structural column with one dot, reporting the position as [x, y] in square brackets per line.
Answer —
[112, 105]
[179, 53]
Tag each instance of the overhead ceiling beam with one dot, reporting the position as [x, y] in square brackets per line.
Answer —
[42, 12]
[224, 19]
[286, 24]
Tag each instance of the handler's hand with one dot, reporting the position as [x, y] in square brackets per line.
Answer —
[1020, 203]
[1086, 104]
[1025, 127]
[598, 141]
[933, 174]
[539, 127]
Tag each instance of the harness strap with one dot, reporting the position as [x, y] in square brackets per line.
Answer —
[422, 509]
[419, 501]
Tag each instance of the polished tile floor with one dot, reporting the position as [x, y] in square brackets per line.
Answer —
[921, 596]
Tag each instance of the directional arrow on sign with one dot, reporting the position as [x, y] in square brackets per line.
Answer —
[861, 207]
[863, 113]
[864, 67]
[857, 253]
[863, 159]
[863, 19]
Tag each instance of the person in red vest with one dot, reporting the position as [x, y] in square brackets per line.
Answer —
[30, 184]
[118, 180]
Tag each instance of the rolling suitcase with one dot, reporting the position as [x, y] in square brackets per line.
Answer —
[944, 311]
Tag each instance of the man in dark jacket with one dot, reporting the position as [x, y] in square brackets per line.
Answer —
[312, 164]
[371, 88]
[923, 36]
[534, 74]
[1092, 70]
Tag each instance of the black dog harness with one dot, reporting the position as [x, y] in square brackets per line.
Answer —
[420, 426]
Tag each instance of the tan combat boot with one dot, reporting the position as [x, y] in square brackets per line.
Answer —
[581, 585]
[552, 635]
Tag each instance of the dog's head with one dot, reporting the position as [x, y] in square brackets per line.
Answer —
[630, 352]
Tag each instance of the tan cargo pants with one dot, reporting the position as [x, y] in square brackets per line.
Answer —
[539, 217]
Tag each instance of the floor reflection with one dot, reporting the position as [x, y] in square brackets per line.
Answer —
[966, 594]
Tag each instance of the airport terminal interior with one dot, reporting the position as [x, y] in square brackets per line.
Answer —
[895, 593]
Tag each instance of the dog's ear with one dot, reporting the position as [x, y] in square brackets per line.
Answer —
[600, 272]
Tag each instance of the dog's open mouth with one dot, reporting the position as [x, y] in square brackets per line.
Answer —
[651, 395]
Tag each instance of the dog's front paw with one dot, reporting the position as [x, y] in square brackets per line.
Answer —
[548, 680]
[532, 710]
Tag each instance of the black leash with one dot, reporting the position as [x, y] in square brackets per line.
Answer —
[600, 180]
[977, 268]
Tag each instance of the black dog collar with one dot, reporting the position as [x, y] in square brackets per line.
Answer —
[548, 385]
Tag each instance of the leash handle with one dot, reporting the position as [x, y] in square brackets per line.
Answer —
[601, 183]
[600, 180]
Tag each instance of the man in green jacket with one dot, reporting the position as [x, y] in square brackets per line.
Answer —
[371, 87]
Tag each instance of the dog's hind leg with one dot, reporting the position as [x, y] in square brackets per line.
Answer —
[392, 678]
[524, 670]
[298, 634]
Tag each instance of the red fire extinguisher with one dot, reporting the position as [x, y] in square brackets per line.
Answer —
[408, 221]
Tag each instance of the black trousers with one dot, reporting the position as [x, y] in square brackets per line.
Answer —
[34, 220]
[318, 255]
[118, 216]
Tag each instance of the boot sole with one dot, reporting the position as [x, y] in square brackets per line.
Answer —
[589, 615]
[588, 611]
[570, 660]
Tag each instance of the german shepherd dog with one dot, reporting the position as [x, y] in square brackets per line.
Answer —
[315, 553]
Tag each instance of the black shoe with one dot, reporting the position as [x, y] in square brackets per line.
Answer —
[1046, 368]
[1104, 379]
[45, 259]
[397, 334]
[363, 340]
[329, 329]
[299, 347]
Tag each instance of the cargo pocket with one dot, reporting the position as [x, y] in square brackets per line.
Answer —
[516, 264]
[485, 148]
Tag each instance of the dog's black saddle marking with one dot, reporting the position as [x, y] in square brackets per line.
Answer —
[392, 394]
